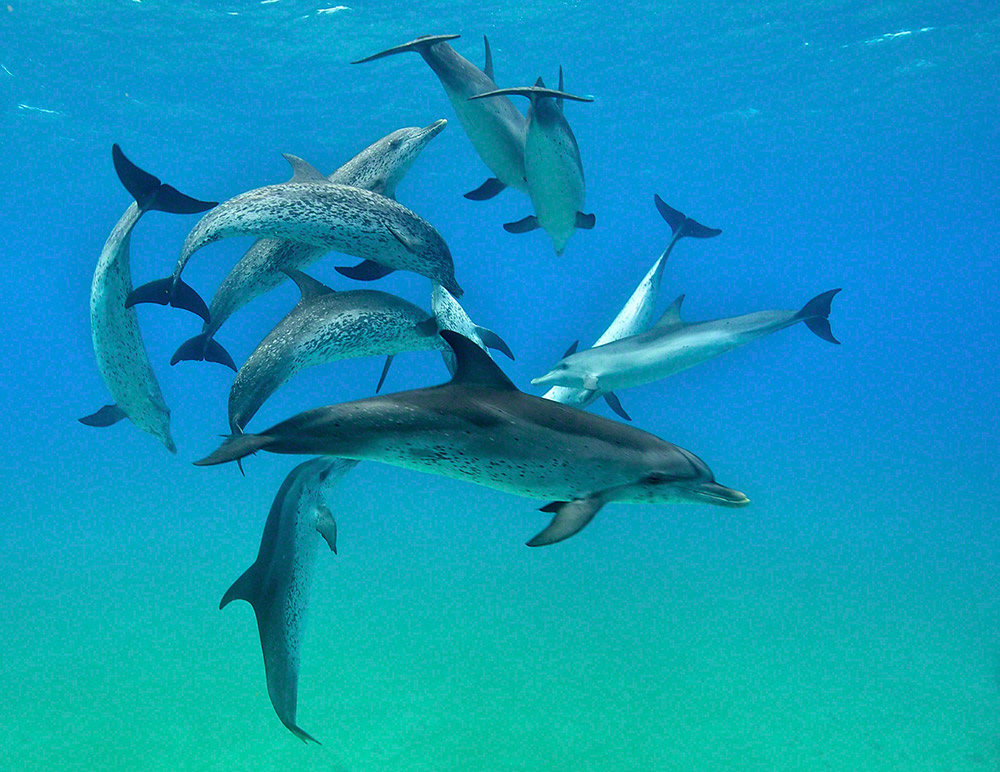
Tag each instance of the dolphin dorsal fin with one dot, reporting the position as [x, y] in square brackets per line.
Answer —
[488, 63]
[539, 83]
[474, 366]
[244, 588]
[559, 100]
[308, 286]
[303, 171]
[671, 317]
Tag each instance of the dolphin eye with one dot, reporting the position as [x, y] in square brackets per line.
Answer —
[659, 478]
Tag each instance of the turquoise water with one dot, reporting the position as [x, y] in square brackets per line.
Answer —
[848, 619]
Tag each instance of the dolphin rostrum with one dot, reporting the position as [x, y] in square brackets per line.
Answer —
[121, 355]
[552, 165]
[673, 345]
[277, 584]
[480, 428]
[637, 313]
[379, 168]
[321, 214]
[496, 128]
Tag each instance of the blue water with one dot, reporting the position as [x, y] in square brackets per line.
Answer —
[848, 619]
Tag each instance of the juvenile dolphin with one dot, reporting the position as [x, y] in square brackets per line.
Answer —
[121, 354]
[277, 585]
[495, 128]
[379, 168]
[637, 313]
[325, 326]
[672, 345]
[552, 165]
[480, 428]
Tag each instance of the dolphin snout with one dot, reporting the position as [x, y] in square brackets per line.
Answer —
[429, 132]
[713, 493]
[544, 380]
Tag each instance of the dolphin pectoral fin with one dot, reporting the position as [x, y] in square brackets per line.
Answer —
[385, 372]
[303, 171]
[525, 225]
[590, 383]
[491, 340]
[369, 270]
[487, 190]
[488, 61]
[585, 221]
[570, 517]
[106, 416]
[815, 314]
[615, 404]
[402, 238]
[327, 526]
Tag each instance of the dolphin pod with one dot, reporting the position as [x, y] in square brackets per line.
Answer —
[278, 583]
[380, 168]
[121, 354]
[480, 428]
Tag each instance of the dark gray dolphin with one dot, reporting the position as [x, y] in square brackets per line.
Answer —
[321, 214]
[325, 326]
[637, 313]
[380, 167]
[673, 345]
[552, 165]
[496, 128]
[480, 428]
[121, 354]
[277, 585]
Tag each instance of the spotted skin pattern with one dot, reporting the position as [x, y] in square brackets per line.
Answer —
[121, 354]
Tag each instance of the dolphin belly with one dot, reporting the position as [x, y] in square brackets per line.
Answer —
[557, 186]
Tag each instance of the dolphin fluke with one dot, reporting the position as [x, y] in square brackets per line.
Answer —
[419, 45]
[149, 192]
[816, 314]
[235, 447]
[202, 348]
[533, 93]
[681, 224]
[172, 291]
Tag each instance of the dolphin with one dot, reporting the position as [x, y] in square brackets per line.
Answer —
[637, 313]
[277, 585]
[673, 345]
[121, 354]
[384, 233]
[451, 316]
[478, 427]
[496, 128]
[379, 168]
[325, 326]
[552, 165]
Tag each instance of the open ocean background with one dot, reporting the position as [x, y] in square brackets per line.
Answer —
[849, 619]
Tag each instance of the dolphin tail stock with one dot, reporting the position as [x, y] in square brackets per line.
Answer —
[816, 315]
[533, 92]
[235, 447]
[681, 224]
[149, 192]
[419, 45]
[172, 291]
[203, 348]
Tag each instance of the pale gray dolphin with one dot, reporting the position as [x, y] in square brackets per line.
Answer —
[496, 128]
[380, 167]
[637, 313]
[321, 214]
[552, 165]
[673, 345]
[277, 585]
[480, 428]
[325, 326]
[121, 354]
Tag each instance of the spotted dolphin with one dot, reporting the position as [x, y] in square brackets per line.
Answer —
[321, 214]
[552, 165]
[121, 354]
[480, 428]
[451, 316]
[278, 583]
[379, 168]
[673, 345]
[637, 313]
[496, 128]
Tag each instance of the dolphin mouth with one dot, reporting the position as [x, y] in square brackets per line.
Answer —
[549, 379]
[717, 494]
